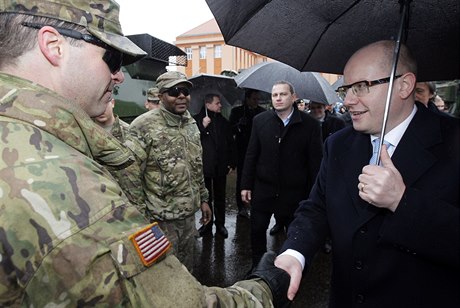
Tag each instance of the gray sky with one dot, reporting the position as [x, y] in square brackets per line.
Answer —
[163, 19]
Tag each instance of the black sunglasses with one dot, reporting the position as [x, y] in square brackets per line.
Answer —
[112, 57]
[176, 91]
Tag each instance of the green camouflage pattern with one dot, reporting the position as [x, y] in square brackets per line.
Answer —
[130, 178]
[173, 176]
[182, 234]
[152, 94]
[100, 18]
[65, 222]
[170, 79]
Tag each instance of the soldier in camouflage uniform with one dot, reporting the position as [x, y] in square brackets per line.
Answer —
[66, 226]
[152, 101]
[173, 175]
[130, 177]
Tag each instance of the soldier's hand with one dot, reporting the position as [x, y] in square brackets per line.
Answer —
[205, 213]
[293, 267]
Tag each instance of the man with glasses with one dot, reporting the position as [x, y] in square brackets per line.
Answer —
[69, 235]
[395, 226]
[173, 174]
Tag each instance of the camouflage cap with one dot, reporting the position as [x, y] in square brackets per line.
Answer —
[170, 79]
[152, 94]
[99, 17]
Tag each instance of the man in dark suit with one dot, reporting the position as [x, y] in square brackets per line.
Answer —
[241, 122]
[330, 123]
[218, 159]
[395, 227]
[282, 161]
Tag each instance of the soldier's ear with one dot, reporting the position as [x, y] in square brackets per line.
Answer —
[52, 45]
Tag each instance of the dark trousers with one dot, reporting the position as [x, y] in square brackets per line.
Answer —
[216, 188]
[260, 220]
[239, 175]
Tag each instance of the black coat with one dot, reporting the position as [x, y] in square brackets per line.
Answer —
[409, 258]
[331, 124]
[241, 122]
[282, 162]
[217, 143]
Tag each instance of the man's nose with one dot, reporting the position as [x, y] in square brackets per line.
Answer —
[118, 77]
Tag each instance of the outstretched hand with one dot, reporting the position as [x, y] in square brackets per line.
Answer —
[293, 267]
[382, 186]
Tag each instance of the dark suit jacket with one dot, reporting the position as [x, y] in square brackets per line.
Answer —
[219, 151]
[409, 258]
[281, 163]
[331, 124]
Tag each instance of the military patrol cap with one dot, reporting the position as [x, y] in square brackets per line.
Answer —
[99, 17]
[170, 79]
[152, 94]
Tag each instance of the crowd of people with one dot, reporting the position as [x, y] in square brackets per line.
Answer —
[96, 211]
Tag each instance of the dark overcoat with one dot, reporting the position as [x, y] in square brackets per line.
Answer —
[281, 163]
[409, 258]
[218, 145]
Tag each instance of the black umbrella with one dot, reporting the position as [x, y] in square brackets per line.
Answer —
[310, 85]
[320, 35]
[222, 85]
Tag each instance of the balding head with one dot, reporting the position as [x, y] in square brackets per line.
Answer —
[369, 71]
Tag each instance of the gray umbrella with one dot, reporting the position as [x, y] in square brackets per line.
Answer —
[308, 85]
[320, 35]
[222, 85]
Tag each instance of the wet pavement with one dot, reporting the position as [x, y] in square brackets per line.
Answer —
[222, 262]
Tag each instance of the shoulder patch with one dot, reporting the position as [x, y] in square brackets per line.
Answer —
[150, 243]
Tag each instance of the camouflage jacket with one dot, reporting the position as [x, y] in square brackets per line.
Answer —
[65, 222]
[173, 175]
[131, 181]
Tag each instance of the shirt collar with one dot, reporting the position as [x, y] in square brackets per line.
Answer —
[395, 135]
[288, 119]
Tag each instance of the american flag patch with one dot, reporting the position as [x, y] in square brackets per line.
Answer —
[150, 243]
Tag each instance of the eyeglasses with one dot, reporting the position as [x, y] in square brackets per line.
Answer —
[361, 88]
[112, 57]
[176, 91]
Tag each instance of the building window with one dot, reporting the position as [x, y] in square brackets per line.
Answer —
[188, 51]
[218, 51]
[203, 52]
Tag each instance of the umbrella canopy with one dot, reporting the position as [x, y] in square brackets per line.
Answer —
[321, 35]
[308, 85]
[224, 86]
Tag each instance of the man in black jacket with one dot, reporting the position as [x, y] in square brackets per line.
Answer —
[282, 160]
[241, 122]
[218, 159]
[329, 122]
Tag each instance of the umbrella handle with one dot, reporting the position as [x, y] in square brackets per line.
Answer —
[405, 5]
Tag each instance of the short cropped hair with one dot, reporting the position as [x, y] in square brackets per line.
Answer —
[208, 98]
[291, 87]
[16, 39]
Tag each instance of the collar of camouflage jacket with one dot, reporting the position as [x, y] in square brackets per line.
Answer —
[173, 119]
[26, 101]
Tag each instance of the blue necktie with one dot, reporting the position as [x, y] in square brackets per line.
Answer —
[375, 146]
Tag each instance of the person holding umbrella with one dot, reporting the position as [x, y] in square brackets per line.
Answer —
[395, 226]
[218, 159]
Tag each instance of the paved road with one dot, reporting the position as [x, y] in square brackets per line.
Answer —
[222, 262]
